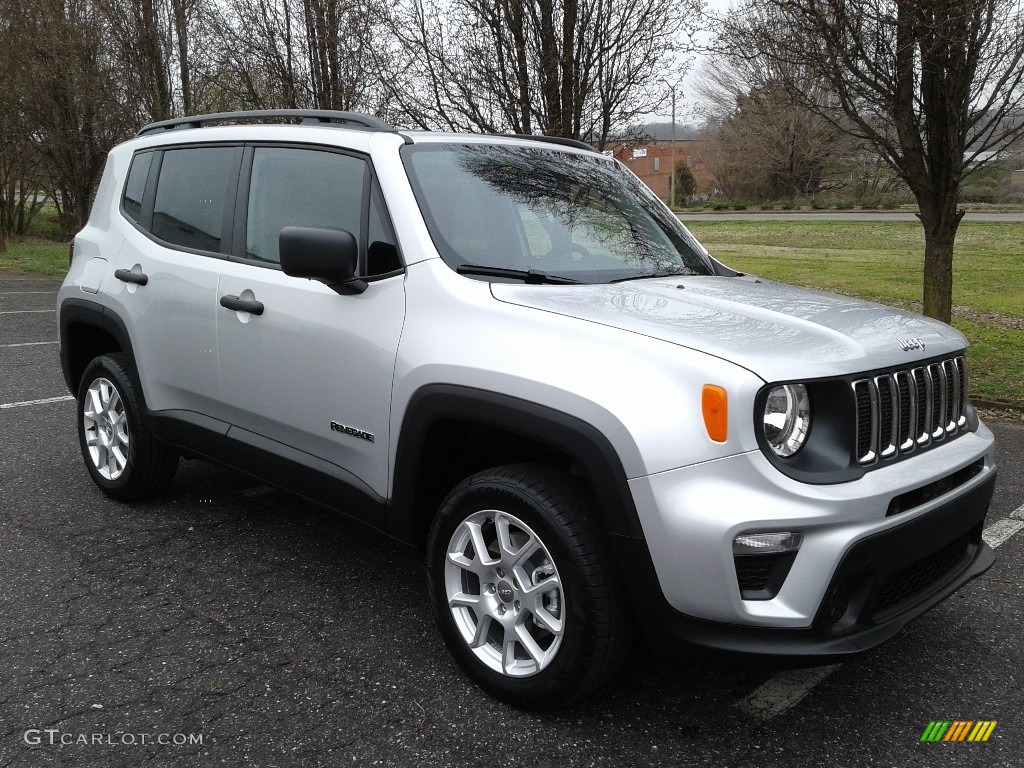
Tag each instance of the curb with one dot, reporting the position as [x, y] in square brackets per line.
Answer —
[996, 405]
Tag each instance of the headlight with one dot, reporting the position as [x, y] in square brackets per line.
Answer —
[787, 418]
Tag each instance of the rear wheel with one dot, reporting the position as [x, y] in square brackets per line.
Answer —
[522, 587]
[122, 457]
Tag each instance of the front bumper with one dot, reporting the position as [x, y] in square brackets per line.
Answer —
[860, 575]
[859, 611]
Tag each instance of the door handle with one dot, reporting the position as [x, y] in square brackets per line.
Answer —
[242, 305]
[127, 276]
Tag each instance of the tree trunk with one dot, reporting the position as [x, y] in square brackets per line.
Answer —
[155, 62]
[940, 228]
[185, 65]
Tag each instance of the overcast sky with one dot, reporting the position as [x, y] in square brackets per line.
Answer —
[685, 103]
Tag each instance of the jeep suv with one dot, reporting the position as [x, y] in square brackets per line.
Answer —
[508, 352]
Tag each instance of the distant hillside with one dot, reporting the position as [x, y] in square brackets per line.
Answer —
[663, 131]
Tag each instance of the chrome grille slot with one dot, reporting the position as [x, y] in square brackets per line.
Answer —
[904, 410]
[938, 379]
[907, 409]
[865, 393]
[952, 395]
[961, 378]
[888, 410]
[924, 405]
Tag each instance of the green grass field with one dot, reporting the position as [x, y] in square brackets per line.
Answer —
[883, 261]
[39, 257]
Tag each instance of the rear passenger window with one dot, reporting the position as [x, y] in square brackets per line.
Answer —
[303, 188]
[136, 185]
[194, 186]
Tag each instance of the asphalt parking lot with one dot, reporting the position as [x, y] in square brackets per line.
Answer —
[230, 624]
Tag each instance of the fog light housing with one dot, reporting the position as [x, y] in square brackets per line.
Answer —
[763, 561]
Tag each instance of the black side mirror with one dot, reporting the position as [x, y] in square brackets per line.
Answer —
[328, 255]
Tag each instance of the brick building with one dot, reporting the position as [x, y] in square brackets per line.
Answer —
[651, 161]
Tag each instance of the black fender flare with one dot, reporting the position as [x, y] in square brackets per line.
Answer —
[581, 441]
[86, 312]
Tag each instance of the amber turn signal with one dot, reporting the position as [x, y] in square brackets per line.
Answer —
[715, 405]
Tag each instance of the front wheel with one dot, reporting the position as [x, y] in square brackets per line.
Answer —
[124, 460]
[522, 587]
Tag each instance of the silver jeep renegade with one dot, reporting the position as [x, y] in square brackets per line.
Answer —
[507, 351]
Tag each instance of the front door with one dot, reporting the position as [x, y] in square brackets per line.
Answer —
[313, 371]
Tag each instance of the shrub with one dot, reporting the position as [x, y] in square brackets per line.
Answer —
[686, 185]
[978, 193]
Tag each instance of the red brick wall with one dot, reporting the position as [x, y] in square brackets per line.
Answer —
[689, 151]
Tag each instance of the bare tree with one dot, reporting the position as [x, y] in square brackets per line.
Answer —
[299, 53]
[69, 94]
[339, 37]
[769, 145]
[257, 57]
[151, 42]
[933, 85]
[571, 68]
[141, 46]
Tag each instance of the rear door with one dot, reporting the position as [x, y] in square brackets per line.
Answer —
[181, 201]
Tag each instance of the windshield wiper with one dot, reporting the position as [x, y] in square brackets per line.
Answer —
[681, 273]
[529, 276]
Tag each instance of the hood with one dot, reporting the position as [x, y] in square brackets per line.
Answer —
[780, 332]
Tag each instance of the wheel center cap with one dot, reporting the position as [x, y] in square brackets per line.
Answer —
[505, 592]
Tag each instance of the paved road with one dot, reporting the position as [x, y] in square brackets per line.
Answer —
[838, 216]
[283, 635]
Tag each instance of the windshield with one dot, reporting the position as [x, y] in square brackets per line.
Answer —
[545, 212]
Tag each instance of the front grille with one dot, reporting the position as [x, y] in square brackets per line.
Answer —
[906, 410]
[927, 572]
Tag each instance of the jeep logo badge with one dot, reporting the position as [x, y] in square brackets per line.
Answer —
[505, 593]
[908, 344]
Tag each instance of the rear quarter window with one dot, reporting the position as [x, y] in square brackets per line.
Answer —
[135, 186]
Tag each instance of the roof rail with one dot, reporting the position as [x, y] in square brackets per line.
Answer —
[556, 140]
[306, 116]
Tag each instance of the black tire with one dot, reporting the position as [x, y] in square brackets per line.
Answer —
[147, 466]
[595, 629]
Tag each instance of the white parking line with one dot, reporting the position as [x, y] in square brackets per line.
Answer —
[22, 293]
[783, 691]
[1001, 530]
[45, 400]
[25, 311]
[997, 534]
[29, 344]
[786, 689]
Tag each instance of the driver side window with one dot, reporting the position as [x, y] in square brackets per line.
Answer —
[304, 188]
